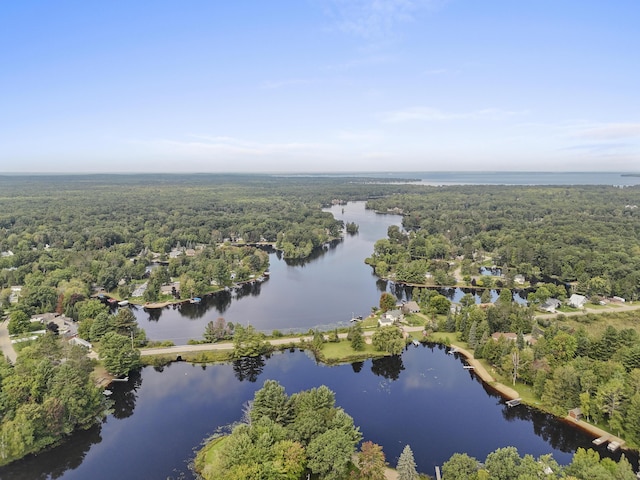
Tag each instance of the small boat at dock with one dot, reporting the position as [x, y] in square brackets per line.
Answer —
[601, 440]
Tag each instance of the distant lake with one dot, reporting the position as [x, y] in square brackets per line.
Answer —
[509, 178]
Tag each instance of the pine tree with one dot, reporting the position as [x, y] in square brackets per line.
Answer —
[473, 340]
[406, 465]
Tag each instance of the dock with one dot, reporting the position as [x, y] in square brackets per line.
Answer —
[601, 440]
[613, 446]
[514, 402]
[438, 477]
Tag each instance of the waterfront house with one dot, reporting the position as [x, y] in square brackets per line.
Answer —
[410, 307]
[577, 301]
[508, 335]
[389, 318]
[550, 305]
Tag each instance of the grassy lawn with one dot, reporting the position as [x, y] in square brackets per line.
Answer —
[596, 324]
[208, 451]
[342, 352]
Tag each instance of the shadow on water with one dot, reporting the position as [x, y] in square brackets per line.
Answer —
[387, 367]
[124, 395]
[248, 368]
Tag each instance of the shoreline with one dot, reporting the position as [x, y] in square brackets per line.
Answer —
[506, 392]
[509, 393]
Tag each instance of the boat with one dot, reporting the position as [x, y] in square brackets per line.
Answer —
[613, 446]
[123, 303]
[195, 300]
[356, 319]
[600, 440]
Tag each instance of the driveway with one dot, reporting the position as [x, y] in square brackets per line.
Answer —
[5, 342]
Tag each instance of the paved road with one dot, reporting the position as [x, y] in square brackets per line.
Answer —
[208, 347]
[5, 342]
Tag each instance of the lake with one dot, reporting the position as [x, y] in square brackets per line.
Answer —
[424, 398]
[322, 292]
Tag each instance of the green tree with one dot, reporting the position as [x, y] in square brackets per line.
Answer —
[406, 466]
[356, 337]
[272, 402]
[248, 342]
[460, 467]
[330, 454]
[117, 354]
[440, 304]
[100, 326]
[387, 302]
[388, 339]
[89, 309]
[19, 322]
[503, 463]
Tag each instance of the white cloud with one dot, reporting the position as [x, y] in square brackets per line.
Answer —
[229, 146]
[429, 114]
[289, 82]
[610, 131]
[372, 18]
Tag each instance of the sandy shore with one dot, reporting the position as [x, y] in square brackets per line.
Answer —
[510, 394]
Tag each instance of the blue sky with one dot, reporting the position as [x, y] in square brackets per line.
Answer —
[319, 85]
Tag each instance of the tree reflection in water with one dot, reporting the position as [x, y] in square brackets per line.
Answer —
[54, 463]
[388, 367]
[248, 368]
[357, 366]
[125, 394]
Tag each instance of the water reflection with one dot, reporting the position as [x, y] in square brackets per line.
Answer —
[357, 366]
[248, 368]
[388, 367]
[52, 464]
[125, 394]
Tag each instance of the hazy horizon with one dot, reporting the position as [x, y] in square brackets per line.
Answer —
[319, 85]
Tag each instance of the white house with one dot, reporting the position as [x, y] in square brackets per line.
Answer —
[389, 318]
[577, 301]
[550, 305]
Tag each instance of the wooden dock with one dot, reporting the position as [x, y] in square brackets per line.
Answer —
[601, 440]
[438, 477]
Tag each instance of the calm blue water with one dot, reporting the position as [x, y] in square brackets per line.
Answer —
[423, 398]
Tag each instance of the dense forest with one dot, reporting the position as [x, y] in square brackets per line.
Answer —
[588, 236]
[102, 229]
[154, 238]
[46, 395]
